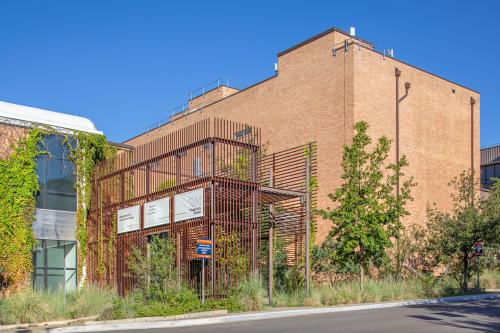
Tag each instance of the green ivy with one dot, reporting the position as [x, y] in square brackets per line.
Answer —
[91, 149]
[18, 189]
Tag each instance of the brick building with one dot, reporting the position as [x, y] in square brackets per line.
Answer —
[490, 167]
[55, 254]
[326, 84]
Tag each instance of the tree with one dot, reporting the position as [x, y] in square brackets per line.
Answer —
[452, 234]
[368, 209]
[155, 273]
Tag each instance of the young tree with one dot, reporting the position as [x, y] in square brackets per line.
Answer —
[155, 273]
[368, 210]
[452, 234]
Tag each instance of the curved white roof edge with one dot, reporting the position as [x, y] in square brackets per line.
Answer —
[45, 117]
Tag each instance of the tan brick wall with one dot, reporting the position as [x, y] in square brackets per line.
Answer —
[318, 97]
[9, 136]
[434, 124]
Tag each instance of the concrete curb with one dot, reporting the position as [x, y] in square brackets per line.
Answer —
[90, 321]
[134, 325]
[47, 323]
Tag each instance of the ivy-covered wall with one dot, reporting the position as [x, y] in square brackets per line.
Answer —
[19, 187]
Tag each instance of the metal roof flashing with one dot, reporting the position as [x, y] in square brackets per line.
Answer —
[20, 115]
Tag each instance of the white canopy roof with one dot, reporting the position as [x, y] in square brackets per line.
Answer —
[45, 117]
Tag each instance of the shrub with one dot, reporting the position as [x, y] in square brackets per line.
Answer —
[250, 294]
[490, 279]
[33, 306]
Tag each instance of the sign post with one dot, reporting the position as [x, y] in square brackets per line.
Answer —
[203, 252]
[478, 252]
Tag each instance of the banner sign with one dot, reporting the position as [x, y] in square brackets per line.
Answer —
[189, 205]
[157, 212]
[204, 249]
[129, 219]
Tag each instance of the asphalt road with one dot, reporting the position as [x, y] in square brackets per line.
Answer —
[481, 316]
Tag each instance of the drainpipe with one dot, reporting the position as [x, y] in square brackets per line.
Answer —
[397, 73]
[472, 103]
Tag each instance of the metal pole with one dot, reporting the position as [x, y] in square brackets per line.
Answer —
[178, 259]
[398, 74]
[212, 220]
[254, 213]
[203, 281]
[271, 236]
[472, 102]
[308, 218]
[478, 287]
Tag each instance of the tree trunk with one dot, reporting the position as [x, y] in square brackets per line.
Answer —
[362, 276]
[362, 269]
[466, 271]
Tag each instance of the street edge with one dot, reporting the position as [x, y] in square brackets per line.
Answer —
[266, 315]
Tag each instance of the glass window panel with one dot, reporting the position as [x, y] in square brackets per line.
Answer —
[55, 255]
[38, 256]
[40, 170]
[55, 146]
[497, 171]
[54, 283]
[60, 202]
[40, 200]
[60, 176]
[39, 282]
[490, 172]
[55, 272]
[70, 277]
[70, 250]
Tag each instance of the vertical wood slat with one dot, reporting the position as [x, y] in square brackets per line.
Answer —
[232, 199]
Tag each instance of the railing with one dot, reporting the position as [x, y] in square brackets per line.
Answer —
[185, 108]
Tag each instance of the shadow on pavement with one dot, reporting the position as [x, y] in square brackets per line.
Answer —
[481, 316]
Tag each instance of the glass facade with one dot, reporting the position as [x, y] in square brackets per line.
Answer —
[488, 172]
[54, 260]
[56, 174]
[54, 264]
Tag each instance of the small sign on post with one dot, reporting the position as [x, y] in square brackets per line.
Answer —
[478, 252]
[478, 248]
[203, 252]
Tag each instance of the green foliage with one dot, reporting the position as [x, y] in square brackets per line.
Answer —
[166, 185]
[232, 257]
[286, 278]
[353, 292]
[18, 188]
[280, 266]
[29, 306]
[490, 279]
[452, 234]
[90, 150]
[368, 211]
[176, 302]
[155, 274]
[250, 294]
[412, 256]
[327, 263]
[157, 291]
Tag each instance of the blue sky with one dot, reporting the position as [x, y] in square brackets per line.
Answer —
[124, 64]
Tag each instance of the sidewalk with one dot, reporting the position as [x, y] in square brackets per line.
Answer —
[142, 324]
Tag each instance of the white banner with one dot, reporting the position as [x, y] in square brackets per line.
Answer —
[129, 219]
[157, 212]
[189, 205]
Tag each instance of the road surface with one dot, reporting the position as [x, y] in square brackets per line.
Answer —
[480, 316]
